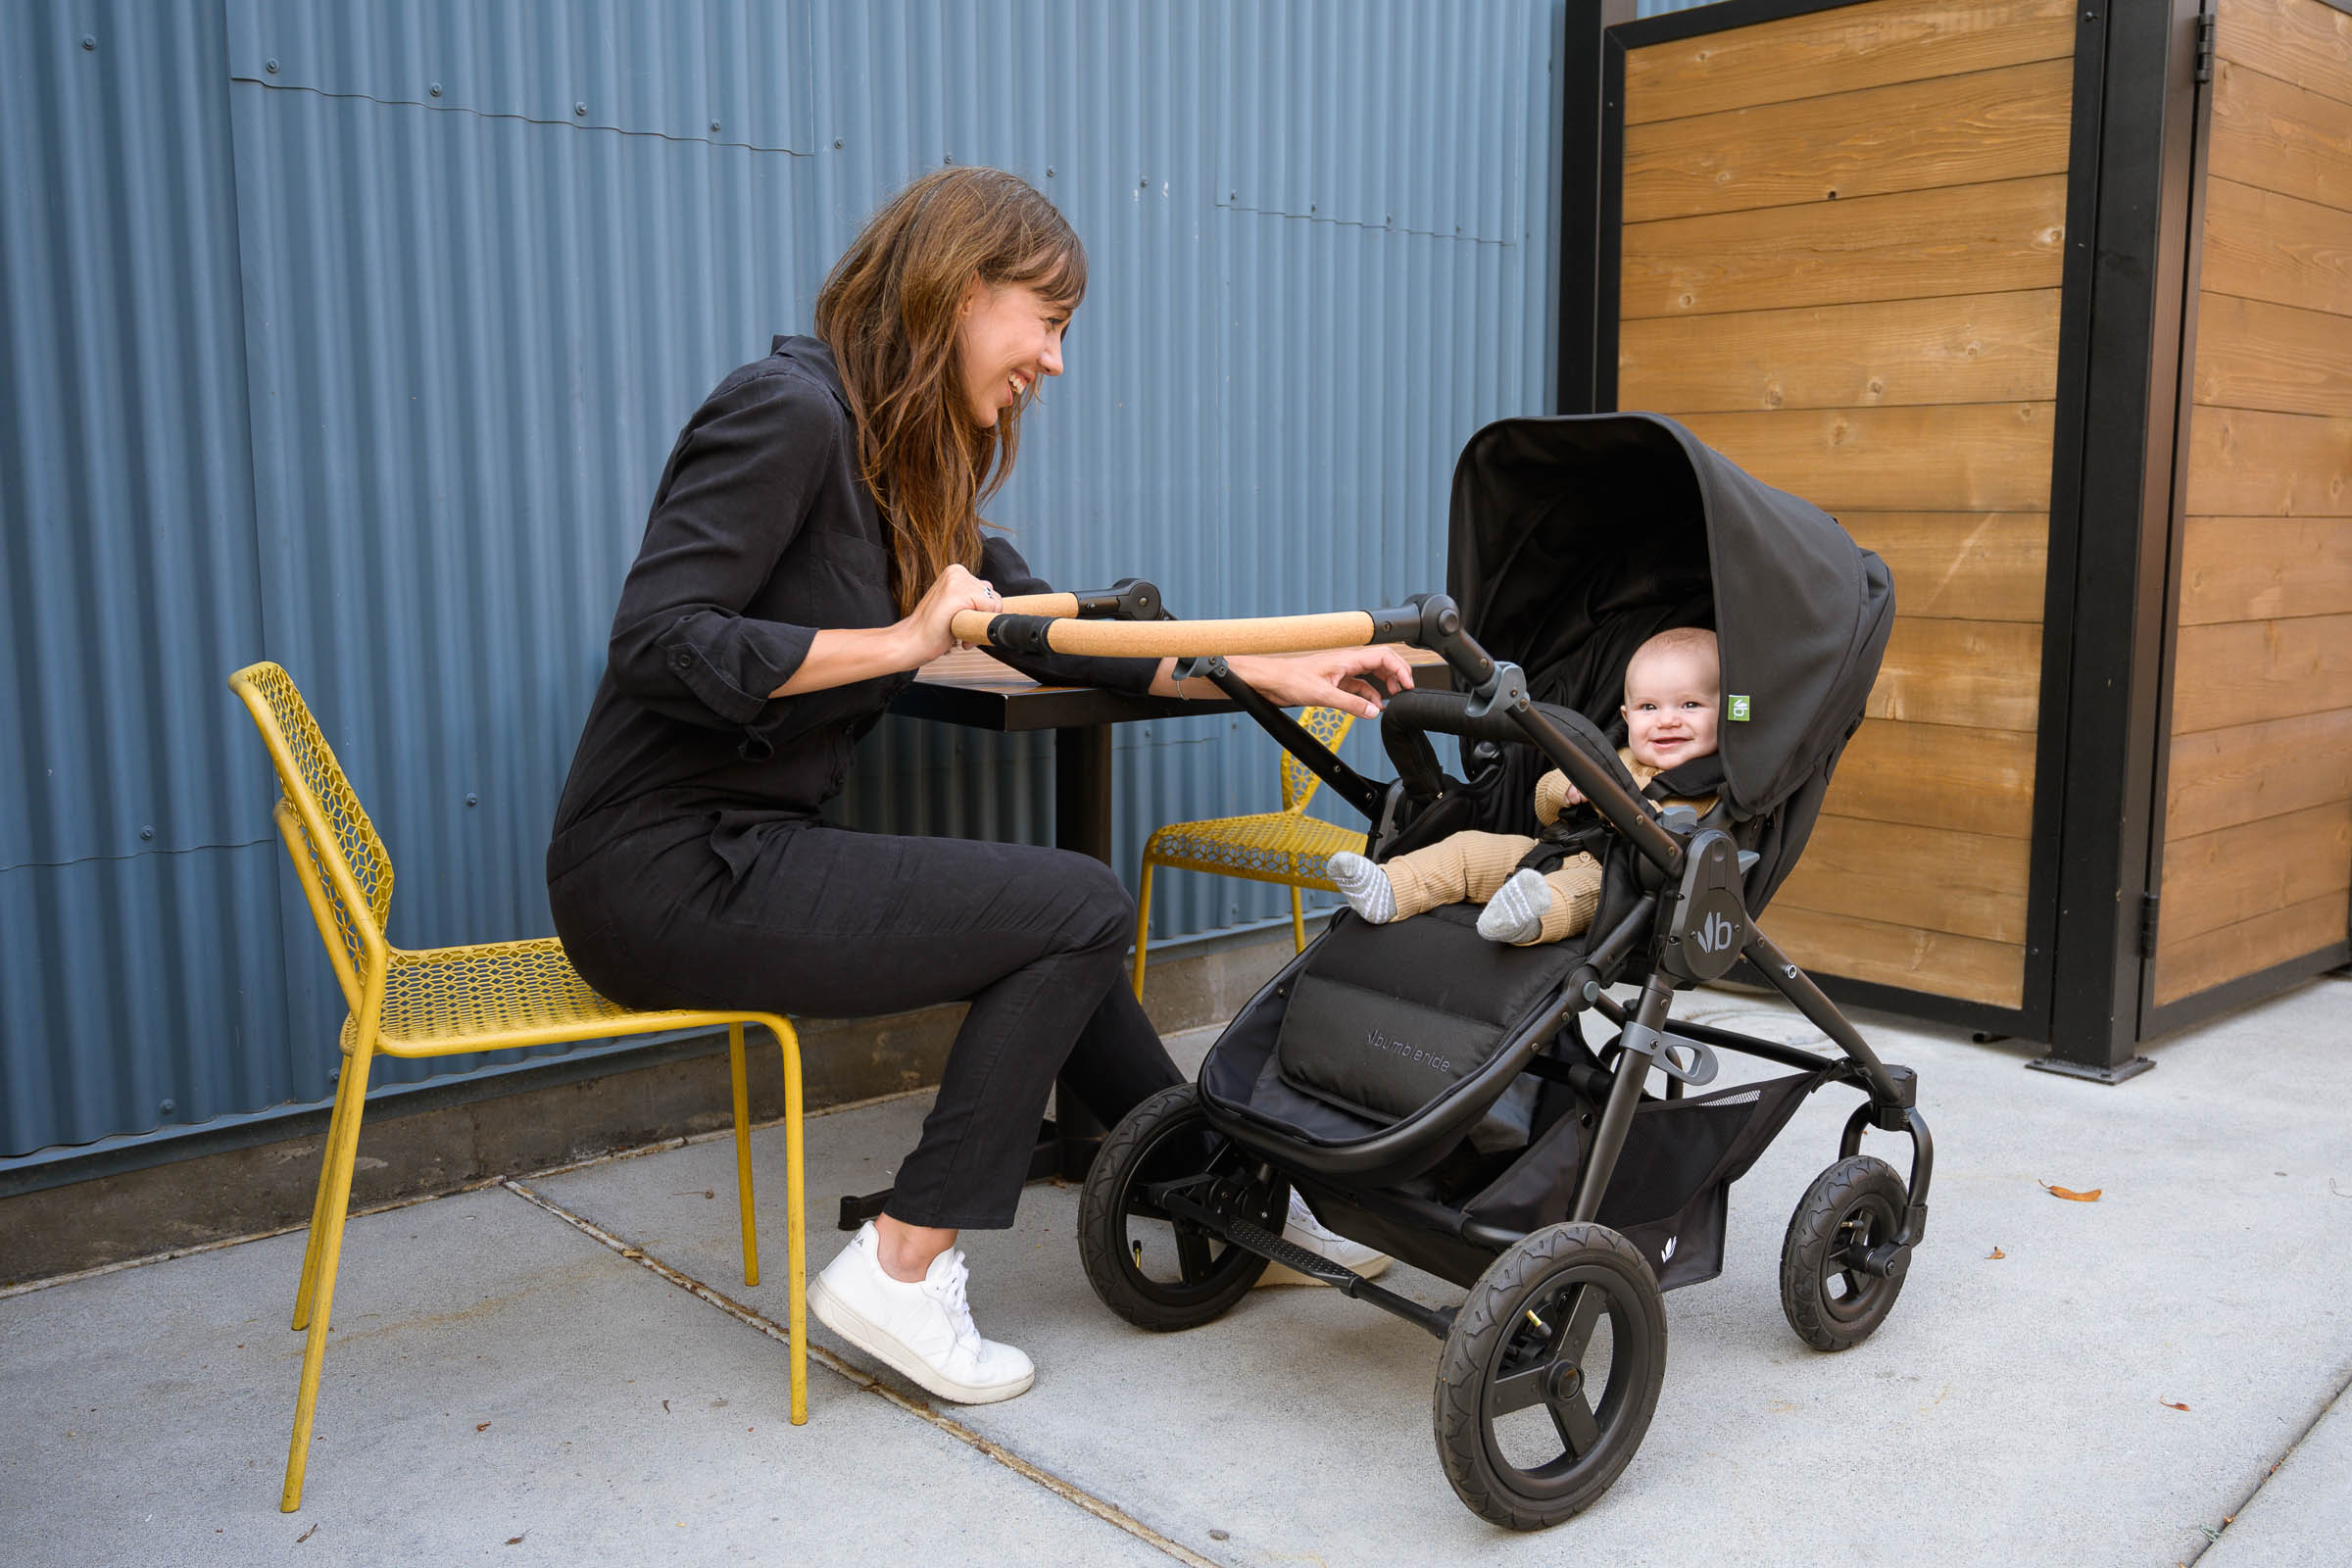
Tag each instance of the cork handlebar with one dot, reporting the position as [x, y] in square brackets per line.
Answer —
[1045, 623]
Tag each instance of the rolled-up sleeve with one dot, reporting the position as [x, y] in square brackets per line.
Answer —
[1002, 566]
[739, 487]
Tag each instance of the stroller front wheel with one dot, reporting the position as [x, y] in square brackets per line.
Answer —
[1549, 1375]
[1158, 1271]
[1832, 1301]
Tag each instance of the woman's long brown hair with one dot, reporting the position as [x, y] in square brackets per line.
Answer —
[889, 312]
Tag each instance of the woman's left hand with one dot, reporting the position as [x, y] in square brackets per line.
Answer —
[1354, 680]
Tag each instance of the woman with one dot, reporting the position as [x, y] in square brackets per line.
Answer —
[814, 531]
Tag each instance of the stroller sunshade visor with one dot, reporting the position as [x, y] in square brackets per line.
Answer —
[1575, 539]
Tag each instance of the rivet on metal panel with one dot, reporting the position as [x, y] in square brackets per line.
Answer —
[88, 42]
[714, 127]
[270, 66]
[147, 832]
[579, 109]
[1310, 207]
[837, 148]
[473, 799]
[1048, 167]
[167, 1107]
[434, 89]
[1143, 183]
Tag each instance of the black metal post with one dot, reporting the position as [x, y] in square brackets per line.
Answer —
[1642, 1038]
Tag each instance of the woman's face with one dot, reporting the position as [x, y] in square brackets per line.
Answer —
[1008, 337]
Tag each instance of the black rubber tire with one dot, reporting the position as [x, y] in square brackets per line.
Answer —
[1163, 1139]
[1859, 1202]
[1548, 1274]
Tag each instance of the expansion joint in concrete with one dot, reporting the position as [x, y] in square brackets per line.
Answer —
[1108, 1514]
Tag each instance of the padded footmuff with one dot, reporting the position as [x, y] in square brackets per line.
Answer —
[1386, 1018]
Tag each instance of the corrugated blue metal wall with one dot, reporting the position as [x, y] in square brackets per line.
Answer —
[355, 337]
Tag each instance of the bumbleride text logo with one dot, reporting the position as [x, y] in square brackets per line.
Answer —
[1398, 1047]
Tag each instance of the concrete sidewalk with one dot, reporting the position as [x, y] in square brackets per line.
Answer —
[505, 1386]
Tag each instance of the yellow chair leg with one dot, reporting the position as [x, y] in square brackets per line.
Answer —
[1142, 927]
[1297, 923]
[350, 1088]
[795, 1227]
[341, 1150]
[743, 1155]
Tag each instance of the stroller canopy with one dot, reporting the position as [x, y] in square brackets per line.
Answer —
[1575, 539]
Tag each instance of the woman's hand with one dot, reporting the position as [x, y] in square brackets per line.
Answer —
[927, 630]
[1354, 680]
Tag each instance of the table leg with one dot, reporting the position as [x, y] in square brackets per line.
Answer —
[1082, 821]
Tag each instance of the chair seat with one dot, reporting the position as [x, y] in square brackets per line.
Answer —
[441, 1000]
[1269, 847]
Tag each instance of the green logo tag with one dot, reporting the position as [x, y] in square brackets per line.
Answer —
[1740, 710]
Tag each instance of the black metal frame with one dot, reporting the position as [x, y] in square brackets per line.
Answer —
[2128, 293]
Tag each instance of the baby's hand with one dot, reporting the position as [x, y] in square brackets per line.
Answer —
[1576, 796]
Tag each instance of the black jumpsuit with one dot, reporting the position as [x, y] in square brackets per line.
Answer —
[689, 866]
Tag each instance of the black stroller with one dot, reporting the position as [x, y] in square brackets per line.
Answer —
[1434, 1094]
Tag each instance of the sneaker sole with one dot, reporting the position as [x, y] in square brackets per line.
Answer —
[854, 1327]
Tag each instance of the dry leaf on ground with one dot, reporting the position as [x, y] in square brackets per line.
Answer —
[2170, 1405]
[481, 1426]
[2071, 1195]
[1995, 1252]
[516, 1540]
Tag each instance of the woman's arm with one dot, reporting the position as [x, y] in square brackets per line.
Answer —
[839, 656]
[1353, 680]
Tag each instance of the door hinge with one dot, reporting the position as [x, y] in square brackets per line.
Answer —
[2205, 31]
[2147, 925]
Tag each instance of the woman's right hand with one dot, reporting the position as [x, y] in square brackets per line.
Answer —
[927, 630]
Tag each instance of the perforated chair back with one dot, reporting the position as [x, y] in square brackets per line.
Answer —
[1330, 725]
[340, 859]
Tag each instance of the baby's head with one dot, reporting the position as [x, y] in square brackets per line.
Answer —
[1673, 691]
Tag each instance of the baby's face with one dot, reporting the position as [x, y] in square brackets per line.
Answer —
[1671, 702]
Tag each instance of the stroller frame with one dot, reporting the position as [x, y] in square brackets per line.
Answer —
[1859, 1223]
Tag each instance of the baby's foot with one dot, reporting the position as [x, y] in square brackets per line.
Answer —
[1364, 885]
[1516, 914]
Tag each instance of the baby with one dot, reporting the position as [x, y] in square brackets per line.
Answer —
[1672, 694]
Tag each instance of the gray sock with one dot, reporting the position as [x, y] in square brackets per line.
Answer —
[1516, 914]
[1364, 885]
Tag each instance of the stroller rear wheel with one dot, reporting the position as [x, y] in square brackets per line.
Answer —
[1156, 1271]
[1830, 1300]
[1550, 1375]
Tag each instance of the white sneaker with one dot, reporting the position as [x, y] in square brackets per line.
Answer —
[923, 1330]
[1303, 1229]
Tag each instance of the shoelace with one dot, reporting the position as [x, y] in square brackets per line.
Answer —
[947, 1288]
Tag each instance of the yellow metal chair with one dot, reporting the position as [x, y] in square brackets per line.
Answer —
[1286, 846]
[440, 1001]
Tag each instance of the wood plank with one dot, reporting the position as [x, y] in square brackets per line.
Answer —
[2235, 951]
[2253, 354]
[2246, 462]
[1939, 776]
[1918, 136]
[2245, 772]
[1977, 348]
[1975, 239]
[1841, 50]
[2260, 245]
[1960, 566]
[1976, 456]
[2236, 874]
[1981, 675]
[1937, 962]
[2280, 137]
[2262, 568]
[2247, 671]
[2301, 41]
[1929, 878]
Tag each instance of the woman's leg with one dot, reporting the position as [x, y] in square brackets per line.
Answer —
[821, 920]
